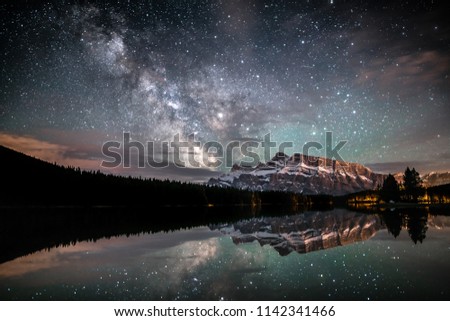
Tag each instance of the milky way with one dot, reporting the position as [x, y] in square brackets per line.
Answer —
[75, 74]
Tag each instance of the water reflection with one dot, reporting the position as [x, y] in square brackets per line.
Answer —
[305, 232]
[414, 220]
[25, 231]
[345, 255]
[312, 231]
[122, 249]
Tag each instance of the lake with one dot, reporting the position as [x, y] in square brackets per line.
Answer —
[331, 255]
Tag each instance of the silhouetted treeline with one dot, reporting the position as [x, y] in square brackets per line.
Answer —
[439, 194]
[27, 230]
[96, 205]
[29, 181]
[431, 195]
[410, 191]
[413, 220]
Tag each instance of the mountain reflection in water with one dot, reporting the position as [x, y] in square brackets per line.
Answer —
[305, 232]
[313, 231]
[25, 231]
[119, 255]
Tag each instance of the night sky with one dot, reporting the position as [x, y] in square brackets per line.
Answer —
[75, 74]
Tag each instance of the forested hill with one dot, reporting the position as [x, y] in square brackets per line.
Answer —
[29, 181]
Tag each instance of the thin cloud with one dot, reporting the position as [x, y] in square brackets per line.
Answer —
[407, 71]
[423, 167]
[48, 151]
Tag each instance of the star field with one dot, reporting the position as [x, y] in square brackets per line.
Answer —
[75, 74]
[199, 264]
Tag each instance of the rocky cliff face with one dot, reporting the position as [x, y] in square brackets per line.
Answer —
[302, 174]
[439, 222]
[435, 179]
[430, 179]
[313, 231]
[305, 232]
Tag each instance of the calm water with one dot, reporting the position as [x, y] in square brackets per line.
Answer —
[314, 255]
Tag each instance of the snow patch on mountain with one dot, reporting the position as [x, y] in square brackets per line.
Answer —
[301, 174]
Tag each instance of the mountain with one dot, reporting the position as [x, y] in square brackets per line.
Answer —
[306, 232]
[429, 179]
[29, 181]
[313, 231]
[435, 179]
[301, 174]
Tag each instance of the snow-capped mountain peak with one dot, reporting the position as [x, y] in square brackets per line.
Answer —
[302, 174]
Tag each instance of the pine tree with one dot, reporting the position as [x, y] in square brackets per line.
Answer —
[390, 190]
[412, 184]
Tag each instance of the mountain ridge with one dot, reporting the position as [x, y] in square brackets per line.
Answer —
[311, 175]
[429, 179]
[301, 173]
